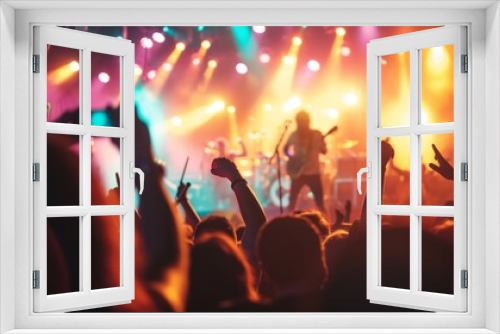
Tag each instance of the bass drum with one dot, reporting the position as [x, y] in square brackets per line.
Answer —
[274, 195]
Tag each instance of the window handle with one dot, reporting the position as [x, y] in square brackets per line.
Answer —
[368, 172]
[139, 171]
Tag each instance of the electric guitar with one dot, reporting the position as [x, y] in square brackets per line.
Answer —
[297, 163]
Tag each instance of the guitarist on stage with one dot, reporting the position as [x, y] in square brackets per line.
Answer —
[303, 148]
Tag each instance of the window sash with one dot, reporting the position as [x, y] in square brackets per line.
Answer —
[414, 298]
[86, 43]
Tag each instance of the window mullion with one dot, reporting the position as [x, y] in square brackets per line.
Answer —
[414, 171]
[85, 159]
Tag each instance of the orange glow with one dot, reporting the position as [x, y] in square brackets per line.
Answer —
[62, 74]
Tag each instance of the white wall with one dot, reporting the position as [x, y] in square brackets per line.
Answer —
[7, 161]
[492, 148]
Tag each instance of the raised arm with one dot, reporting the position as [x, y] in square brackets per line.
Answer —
[250, 208]
[192, 217]
[163, 235]
[243, 152]
[443, 167]
[322, 143]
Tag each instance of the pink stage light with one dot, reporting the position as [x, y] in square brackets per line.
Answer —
[259, 29]
[151, 74]
[104, 77]
[313, 65]
[264, 58]
[241, 68]
[158, 37]
[345, 51]
[146, 42]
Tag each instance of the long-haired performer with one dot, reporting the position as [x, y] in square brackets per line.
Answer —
[303, 148]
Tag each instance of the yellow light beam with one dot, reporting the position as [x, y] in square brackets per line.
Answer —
[62, 74]
[163, 72]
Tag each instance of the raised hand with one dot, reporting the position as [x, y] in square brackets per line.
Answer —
[387, 152]
[443, 167]
[181, 195]
[339, 217]
[224, 167]
[114, 194]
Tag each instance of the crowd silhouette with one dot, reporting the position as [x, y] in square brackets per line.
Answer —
[298, 262]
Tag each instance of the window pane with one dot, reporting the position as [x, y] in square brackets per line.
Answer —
[396, 188]
[63, 170]
[395, 90]
[105, 254]
[437, 169]
[63, 255]
[437, 85]
[395, 251]
[105, 171]
[63, 85]
[437, 254]
[105, 90]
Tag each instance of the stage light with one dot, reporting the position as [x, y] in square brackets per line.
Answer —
[294, 103]
[332, 113]
[180, 46]
[158, 37]
[146, 43]
[104, 77]
[313, 65]
[151, 74]
[219, 105]
[196, 61]
[259, 29]
[231, 109]
[424, 117]
[350, 99]
[383, 61]
[201, 28]
[74, 66]
[212, 64]
[176, 121]
[264, 58]
[165, 29]
[268, 107]
[289, 60]
[167, 67]
[297, 40]
[438, 53]
[206, 44]
[340, 31]
[241, 68]
[137, 70]
[345, 51]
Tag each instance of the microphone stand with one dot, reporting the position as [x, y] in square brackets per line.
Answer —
[278, 158]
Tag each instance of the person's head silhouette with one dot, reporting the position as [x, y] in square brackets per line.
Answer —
[303, 120]
[292, 255]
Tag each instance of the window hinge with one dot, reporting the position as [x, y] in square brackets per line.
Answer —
[465, 64]
[464, 172]
[465, 279]
[36, 279]
[36, 172]
[36, 63]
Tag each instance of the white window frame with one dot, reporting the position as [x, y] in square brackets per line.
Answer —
[86, 44]
[483, 313]
[414, 43]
